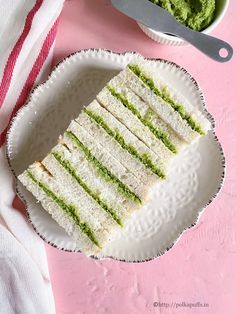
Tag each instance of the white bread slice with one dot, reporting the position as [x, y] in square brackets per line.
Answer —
[124, 158]
[83, 169]
[57, 213]
[125, 116]
[83, 200]
[88, 209]
[146, 112]
[105, 158]
[138, 168]
[148, 68]
[164, 109]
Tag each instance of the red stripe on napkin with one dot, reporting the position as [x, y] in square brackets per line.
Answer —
[9, 67]
[32, 75]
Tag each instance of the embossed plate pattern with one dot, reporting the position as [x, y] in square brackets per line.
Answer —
[195, 176]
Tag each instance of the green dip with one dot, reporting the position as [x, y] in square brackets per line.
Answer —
[196, 14]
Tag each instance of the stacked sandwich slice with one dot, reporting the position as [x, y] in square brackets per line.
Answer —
[104, 164]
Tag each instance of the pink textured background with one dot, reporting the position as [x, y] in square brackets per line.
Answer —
[202, 266]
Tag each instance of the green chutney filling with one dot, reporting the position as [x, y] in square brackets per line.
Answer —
[165, 95]
[159, 134]
[67, 165]
[68, 209]
[144, 158]
[195, 14]
[103, 171]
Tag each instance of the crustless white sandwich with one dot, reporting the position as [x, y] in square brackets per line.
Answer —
[109, 157]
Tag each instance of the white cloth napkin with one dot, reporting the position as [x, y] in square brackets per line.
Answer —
[27, 35]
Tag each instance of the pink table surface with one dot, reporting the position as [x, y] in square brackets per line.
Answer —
[202, 266]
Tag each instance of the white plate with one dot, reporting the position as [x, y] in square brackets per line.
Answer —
[195, 177]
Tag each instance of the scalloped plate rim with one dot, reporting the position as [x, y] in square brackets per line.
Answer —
[27, 105]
